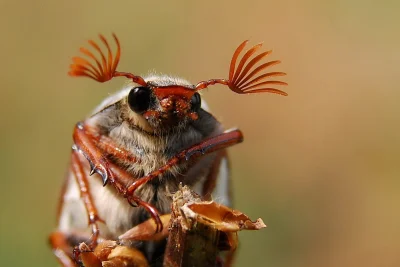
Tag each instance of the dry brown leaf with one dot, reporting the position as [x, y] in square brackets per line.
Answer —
[220, 217]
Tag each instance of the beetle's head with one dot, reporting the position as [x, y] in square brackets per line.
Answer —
[164, 102]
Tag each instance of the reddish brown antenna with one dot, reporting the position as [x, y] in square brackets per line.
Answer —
[241, 80]
[105, 68]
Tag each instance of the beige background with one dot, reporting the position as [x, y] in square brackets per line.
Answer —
[320, 166]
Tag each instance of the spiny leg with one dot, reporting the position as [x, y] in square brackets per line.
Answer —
[211, 179]
[83, 184]
[110, 148]
[97, 148]
[88, 145]
[63, 247]
[207, 146]
[124, 179]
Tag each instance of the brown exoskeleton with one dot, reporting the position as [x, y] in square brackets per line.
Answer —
[143, 142]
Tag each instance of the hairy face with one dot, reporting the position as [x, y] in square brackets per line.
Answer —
[165, 104]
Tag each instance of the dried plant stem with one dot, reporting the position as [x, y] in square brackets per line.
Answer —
[200, 230]
[189, 244]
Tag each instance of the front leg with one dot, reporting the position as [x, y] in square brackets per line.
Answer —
[90, 146]
[212, 144]
[96, 148]
[63, 244]
[83, 184]
[61, 249]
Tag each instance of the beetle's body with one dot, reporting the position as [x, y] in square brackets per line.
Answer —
[143, 142]
[153, 151]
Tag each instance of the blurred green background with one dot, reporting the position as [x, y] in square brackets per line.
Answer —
[321, 166]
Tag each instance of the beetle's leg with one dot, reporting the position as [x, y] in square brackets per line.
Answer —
[124, 179]
[145, 230]
[207, 146]
[134, 200]
[211, 179]
[86, 139]
[96, 148]
[110, 148]
[88, 145]
[83, 184]
[62, 245]
[61, 249]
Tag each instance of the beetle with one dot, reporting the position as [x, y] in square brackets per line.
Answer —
[143, 141]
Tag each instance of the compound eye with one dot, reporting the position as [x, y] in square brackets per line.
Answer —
[139, 99]
[195, 101]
